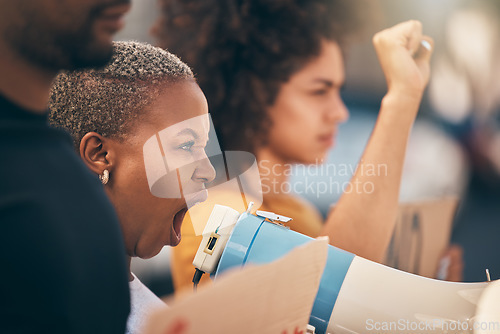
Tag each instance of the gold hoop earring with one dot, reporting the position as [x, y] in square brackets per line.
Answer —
[104, 177]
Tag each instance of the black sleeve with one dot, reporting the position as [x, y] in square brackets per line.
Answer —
[52, 280]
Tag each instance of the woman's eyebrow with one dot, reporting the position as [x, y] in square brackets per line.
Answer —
[188, 131]
[327, 82]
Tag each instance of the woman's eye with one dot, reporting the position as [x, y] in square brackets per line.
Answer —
[319, 92]
[187, 146]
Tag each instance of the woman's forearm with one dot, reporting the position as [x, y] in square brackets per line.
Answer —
[363, 219]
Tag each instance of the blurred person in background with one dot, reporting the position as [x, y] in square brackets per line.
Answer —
[272, 73]
[111, 113]
[63, 269]
[465, 93]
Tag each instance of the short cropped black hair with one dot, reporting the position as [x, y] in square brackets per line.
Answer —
[243, 51]
[106, 101]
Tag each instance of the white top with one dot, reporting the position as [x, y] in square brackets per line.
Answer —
[142, 302]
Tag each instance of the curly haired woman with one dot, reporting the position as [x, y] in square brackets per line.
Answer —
[272, 73]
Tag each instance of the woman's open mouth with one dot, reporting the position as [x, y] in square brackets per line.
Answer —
[176, 226]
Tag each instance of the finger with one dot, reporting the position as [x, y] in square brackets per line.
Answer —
[180, 326]
[456, 271]
[406, 34]
[455, 250]
[425, 50]
[423, 57]
[409, 33]
[413, 33]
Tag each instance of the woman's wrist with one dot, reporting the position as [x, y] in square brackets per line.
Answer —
[409, 94]
[400, 105]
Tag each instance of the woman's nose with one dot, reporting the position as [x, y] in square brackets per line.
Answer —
[337, 111]
[204, 172]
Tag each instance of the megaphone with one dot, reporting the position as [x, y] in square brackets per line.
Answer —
[355, 295]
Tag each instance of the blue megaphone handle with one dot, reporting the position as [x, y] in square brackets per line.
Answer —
[255, 240]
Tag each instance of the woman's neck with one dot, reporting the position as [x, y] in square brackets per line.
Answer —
[274, 172]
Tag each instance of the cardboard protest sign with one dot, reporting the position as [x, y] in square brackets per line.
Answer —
[271, 298]
[421, 234]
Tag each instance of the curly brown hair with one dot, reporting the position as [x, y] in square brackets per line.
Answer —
[243, 51]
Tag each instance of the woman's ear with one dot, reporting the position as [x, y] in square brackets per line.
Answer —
[95, 152]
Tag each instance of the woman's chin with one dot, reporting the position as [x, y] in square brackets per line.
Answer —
[150, 254]
[313, 160]
[321, 158]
